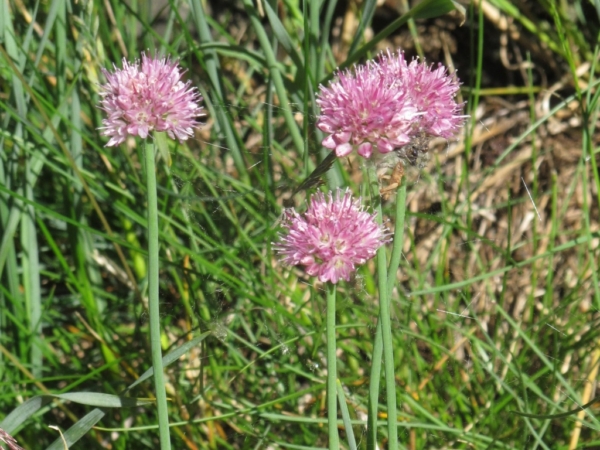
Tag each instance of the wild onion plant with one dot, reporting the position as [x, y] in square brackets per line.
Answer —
[330, 240]
[142, 99]
[384, 106]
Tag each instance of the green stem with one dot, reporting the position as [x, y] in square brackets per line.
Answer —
[374, 378]
[153, 306]
[398, 237]
[383, 345]
[334, 440]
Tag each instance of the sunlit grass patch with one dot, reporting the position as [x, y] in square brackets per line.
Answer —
[495, 309]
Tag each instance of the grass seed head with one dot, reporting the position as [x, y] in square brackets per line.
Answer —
[9, 440]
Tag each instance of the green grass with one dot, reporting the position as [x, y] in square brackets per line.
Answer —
[495, 311]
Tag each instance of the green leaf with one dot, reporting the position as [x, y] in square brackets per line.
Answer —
[432, 8]
[171, 357]
[31, 406]
[558, 416]
[103, 400]
[82, 426]
[283, 37]
[24, 412]
[78, 430]
[345, 415]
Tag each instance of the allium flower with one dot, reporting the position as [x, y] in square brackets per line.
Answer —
[365, 109]
[332, 237]
[385, 104]
[149, 97]
[431, 90]
[9, 440]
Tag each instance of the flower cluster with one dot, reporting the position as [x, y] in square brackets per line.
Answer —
[332, 237]
[146, 97]
[385, 104]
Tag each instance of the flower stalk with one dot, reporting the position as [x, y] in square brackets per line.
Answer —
[384, 333]
[330, 239]
[153, 299]
[334, 440]
[144, 98]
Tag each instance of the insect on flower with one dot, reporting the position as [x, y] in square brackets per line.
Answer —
[395, 180]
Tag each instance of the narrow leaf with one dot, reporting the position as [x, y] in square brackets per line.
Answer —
[31, 406]
[283, 37]
[171, 357]
[78, 430]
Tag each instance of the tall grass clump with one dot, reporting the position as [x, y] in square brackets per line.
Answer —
[342, 246]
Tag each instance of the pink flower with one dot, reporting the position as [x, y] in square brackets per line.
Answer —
[332, 237]
[139, 100]
[431, 90]
[365, 110]
[385, 104]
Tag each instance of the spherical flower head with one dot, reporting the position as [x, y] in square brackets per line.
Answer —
[146, 97]
[331, 238]
[365, 110]
[431, 90]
